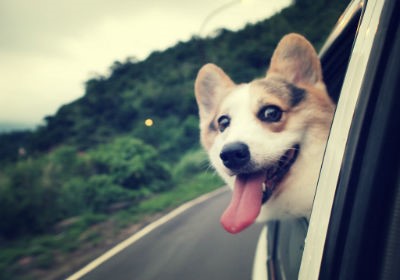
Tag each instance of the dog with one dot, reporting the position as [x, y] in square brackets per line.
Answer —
[267, 138]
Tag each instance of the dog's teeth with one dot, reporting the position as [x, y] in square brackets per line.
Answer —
[264, 187]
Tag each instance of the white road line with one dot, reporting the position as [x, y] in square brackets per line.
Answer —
[135, 237]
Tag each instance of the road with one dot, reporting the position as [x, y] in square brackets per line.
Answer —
[191, 246]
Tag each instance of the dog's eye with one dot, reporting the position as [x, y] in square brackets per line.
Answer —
[223, 122]
[270, 113]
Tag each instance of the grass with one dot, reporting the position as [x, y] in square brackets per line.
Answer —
[201, 184]
[35, 257]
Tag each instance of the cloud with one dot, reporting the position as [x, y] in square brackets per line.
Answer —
[40, 25]
[48, 48]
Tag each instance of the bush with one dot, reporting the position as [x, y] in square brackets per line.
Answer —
[100, 192]
[132, 164]
[192, 163]
[66, 162]
[26, 206]
[37, 193]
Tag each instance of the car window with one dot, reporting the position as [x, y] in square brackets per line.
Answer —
[285, 239]
[336, 55]
[335, 151]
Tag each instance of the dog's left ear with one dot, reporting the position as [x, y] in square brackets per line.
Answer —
[211, 86]
[296, 60]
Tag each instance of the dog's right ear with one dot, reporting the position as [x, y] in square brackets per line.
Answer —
[296, 59]
[211, 86]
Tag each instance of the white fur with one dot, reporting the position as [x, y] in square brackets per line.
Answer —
[267, 147]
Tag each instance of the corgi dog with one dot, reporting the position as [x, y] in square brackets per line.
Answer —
[266, 138]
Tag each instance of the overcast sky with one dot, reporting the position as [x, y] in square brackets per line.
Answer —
[49, 48]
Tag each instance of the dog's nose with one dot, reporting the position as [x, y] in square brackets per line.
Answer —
[235, 155]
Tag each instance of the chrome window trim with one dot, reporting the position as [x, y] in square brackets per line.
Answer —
[319, 220]
[260, 259]
[343, 21]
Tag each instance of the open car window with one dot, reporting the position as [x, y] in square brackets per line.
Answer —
[285, 239]
[341, 184]
[335, 54]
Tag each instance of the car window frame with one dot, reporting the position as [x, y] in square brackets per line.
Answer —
[272, 248]
[335, 150]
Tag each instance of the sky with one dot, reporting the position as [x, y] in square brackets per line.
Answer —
[49, 48]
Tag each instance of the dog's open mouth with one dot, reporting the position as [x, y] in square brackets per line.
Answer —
[254, 189]
[275, 174]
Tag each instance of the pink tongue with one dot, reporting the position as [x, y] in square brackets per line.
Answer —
[245, 204]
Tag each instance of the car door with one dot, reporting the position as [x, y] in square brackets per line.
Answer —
[354, 226]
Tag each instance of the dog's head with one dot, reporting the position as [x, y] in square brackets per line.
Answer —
[266, 138]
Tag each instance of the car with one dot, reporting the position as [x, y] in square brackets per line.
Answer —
[354, 228]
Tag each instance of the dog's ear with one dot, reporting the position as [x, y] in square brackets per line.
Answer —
[211, 86]
[296, 60]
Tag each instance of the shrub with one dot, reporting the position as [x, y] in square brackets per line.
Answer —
[26, 206]
[192, 163]
[100, 192]
[132, 164]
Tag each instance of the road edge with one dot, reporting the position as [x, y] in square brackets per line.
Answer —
[141, 233]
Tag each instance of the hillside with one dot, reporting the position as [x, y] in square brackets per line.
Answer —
[161, 87]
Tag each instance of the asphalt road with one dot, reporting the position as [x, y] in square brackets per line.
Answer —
[191, 246]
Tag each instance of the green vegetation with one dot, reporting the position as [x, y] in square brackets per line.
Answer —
[95, 168]
[94, 224]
